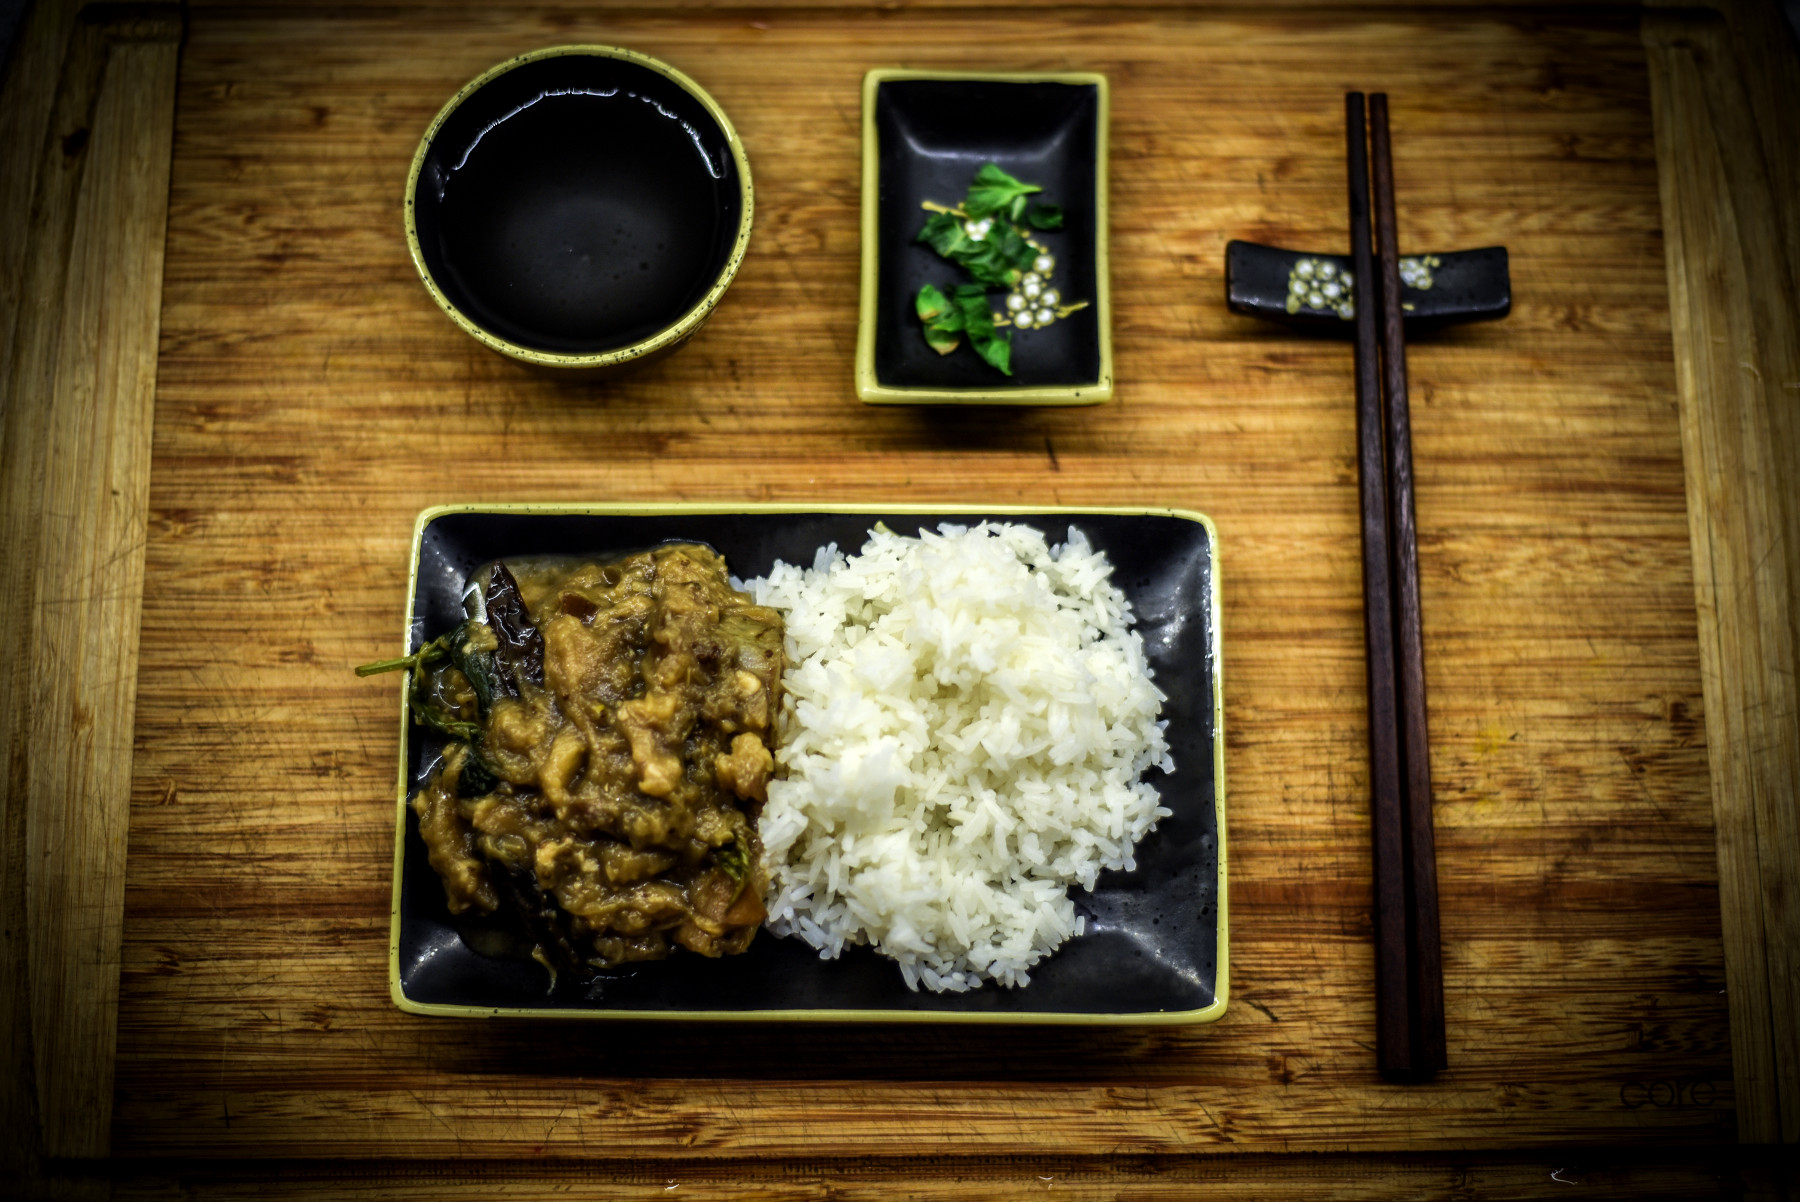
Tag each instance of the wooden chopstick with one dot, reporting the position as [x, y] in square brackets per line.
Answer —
[1393, 1011]
[1425, 989]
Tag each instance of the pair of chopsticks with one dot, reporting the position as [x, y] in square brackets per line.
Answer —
[1409, 979]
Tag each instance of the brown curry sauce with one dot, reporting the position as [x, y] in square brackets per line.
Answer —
[625, 742]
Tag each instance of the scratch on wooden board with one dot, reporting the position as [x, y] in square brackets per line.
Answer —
[1217, 1125]
[441, 1121]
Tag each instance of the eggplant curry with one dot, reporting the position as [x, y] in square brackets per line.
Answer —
[610, 731]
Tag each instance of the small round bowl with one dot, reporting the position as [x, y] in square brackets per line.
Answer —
[579, 208]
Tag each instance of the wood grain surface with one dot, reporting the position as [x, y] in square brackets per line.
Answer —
[1637, 1175]
[1736, 312]
[74, 477]
[311, 400]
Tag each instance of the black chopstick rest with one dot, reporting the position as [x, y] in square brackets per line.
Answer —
[1456, 286]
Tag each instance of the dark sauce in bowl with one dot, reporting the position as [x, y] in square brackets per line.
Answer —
[577, 204]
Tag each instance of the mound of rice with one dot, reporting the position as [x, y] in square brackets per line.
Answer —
[966, 718]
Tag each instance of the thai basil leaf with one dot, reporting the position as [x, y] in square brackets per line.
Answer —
[978, 321]
[473, 656]
[734, 858]
[476, 780]
[940, 341]
[997, 351]
[433, 716]
[944, 233]
[931, 304]
[972, 303]
[1018, 254]
[465, 647]
[989, 265]
[994, 190]
[998, 258]
[943, 320]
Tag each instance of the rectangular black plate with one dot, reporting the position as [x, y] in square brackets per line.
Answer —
[930, 137]
[1155, 951]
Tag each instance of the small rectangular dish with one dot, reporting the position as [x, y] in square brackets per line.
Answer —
[1155, 948]
[925, 136]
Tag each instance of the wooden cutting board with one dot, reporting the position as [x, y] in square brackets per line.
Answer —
[310, 400]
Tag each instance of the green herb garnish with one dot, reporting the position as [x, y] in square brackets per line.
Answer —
[984, 236]
[1000, 259]
[994, 190]
[978, 322]
[948, 319]
[943, 321]
[469, 648]
[734, 858]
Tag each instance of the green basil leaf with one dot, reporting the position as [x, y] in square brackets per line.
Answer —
[943, 319]
[972, 303]
[734, 859]
[998, 259]
[941, 340]
[1018, 254]
[989, 264]
[931, 303]
[994, 190]
[944, 234]
[476, 780]
[991, 176]
[997, 351]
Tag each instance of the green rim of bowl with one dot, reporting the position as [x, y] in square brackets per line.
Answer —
[669, 336]
[869, 387]
[1155, 1018]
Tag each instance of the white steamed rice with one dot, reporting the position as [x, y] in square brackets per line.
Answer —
[967, 715]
